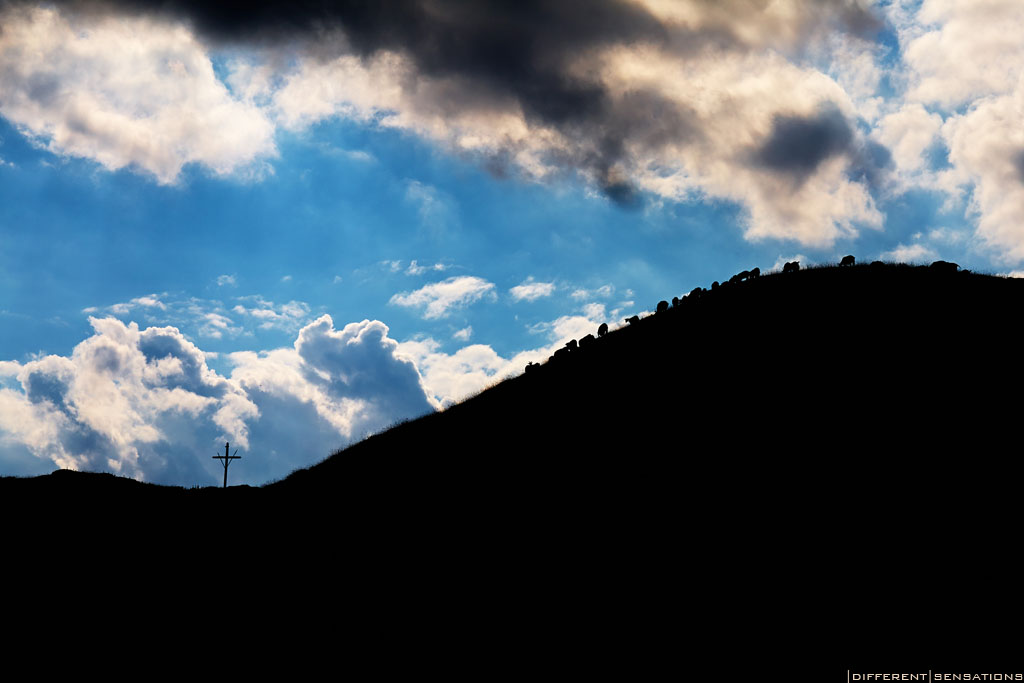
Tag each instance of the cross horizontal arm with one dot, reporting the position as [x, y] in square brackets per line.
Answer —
[228, 457]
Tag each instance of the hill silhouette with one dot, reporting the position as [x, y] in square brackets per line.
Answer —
[837, 358]
[831, 451]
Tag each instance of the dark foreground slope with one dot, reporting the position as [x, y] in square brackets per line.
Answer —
[805, 466]
[862, 367]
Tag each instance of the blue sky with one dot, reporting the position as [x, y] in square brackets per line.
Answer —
[294, 242]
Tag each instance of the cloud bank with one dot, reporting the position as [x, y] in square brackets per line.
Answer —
[671, 99]
[806, 114]
[145, 404]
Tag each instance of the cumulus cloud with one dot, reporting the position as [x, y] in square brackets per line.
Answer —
[913, 253]
[908, 133]
[145, 404]
[986, 146]
[531, 291]
[963, 63]
[267, 315]
[358, 363]
[125, 93]
[440, 298]
[115, 403]
[452, 377]
[960, 51]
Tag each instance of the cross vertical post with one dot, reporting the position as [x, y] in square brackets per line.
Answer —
[227, 461]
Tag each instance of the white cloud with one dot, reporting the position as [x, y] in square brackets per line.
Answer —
[439, 298]
[913, 253]
[215, 325]
[464, 334]
[125, 92]
[268, 315]
[229, 280]
[531, 291]
[963, 62]
[602, 292]
[783, 260]
[960, 51]
[148, 301]
[908, 133]
[211, 318]
[352, 378]
[450, 378]
[416, 269]
[986, 145]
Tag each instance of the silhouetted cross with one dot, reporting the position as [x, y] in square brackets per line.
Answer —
[227, 461]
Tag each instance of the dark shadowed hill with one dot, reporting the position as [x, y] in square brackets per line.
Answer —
[882, 368]
[802, 465]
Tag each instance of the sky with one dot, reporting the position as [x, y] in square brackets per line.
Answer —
[292, 225]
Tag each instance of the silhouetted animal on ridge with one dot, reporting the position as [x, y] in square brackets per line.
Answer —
[848, 260]
[791, 267]
[740, 277]
[571, 345]
[587, 340]
[945, 267]
[662, 307]
[634, 320]
[755, 273]
[602, 330]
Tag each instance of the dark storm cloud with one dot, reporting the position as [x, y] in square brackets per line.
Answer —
[518, 48]
[798, 144]
[498, 52]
